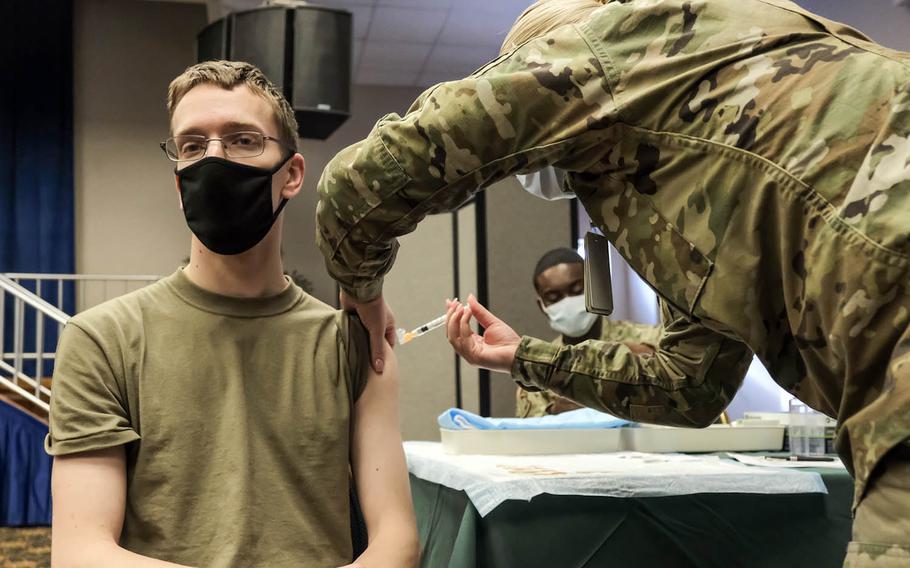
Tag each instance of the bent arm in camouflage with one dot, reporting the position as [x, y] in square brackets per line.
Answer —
[689, 381]
[535, 106]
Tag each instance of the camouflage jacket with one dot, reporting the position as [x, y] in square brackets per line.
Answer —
[533, 403]
[748, 159]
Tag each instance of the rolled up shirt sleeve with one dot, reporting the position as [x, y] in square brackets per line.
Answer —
[88, 407]
[688, 381]
[547, 102]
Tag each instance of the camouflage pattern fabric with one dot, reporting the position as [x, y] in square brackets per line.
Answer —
[531, 404]
[534, 404]
[750, 160]
[882, 518]
[861, 555]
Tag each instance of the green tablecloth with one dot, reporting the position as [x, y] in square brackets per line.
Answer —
[702, 530]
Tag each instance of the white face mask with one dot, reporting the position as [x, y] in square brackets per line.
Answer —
[569, 316]
[545, 184]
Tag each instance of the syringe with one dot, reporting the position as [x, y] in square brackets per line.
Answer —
[407, 336]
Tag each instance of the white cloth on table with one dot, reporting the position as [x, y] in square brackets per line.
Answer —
[490, 480]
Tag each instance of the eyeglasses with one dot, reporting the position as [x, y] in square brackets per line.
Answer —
[189, 147]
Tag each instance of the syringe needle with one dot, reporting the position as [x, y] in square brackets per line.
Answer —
[407, 336]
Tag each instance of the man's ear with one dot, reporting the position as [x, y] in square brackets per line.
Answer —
[296, 173]
[177, 188]
[541, 306]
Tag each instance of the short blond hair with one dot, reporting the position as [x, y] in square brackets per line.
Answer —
[545, 16]
[230, 74]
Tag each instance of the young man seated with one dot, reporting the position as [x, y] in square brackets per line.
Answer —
[559, 280]
[219, 417]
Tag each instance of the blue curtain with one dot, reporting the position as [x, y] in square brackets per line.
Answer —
[36, 149]
[25, 470]
[36, 136]
[36, 212]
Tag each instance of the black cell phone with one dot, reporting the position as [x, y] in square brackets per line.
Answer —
[598, 284]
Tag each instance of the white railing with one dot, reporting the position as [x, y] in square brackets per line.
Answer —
[23, 304]
[12, 364]
[89, 289]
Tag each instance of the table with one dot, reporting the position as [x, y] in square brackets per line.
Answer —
[697, 530]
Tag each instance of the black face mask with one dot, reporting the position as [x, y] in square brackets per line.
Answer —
[228, 206]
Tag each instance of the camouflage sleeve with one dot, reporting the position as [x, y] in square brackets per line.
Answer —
[532, 404]
[650, 334]
[546, 102]
[620, 330]
[687, 382]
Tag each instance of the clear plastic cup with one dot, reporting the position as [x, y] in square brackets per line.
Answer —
[815, 433]
[796, 429]
[806, 431]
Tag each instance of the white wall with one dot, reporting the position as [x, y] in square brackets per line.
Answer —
[881, 20]
[520, 229]
[416, 290]
[125, 54]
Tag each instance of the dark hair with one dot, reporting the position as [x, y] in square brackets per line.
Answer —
[562, 255]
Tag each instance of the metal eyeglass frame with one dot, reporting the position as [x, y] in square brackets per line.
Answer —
[207, 142]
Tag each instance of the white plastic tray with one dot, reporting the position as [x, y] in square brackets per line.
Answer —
[647, 438]
[715, 438]
[531, 442]
[782, 418]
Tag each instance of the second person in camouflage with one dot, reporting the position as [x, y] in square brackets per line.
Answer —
[559, 283]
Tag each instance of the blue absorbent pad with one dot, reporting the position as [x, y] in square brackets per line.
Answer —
[457, 419]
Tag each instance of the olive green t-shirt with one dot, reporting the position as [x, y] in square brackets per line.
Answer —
[235, 415]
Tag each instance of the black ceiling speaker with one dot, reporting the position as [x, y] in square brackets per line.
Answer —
[304, 50]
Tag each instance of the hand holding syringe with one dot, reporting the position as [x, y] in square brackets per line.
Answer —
[494, 350]
[407, 336]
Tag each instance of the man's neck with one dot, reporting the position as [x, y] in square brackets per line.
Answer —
[593, 333]
[256, 273]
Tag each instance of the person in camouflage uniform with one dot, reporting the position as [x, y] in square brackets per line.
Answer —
[750, 160]
[558, 279]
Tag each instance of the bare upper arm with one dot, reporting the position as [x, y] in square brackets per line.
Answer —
[89, 491]
[377, 456]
